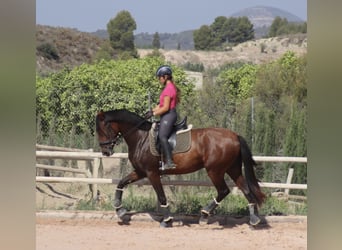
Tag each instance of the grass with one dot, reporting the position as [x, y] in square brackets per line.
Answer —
[191, 202]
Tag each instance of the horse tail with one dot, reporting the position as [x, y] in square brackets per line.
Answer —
[252, 181]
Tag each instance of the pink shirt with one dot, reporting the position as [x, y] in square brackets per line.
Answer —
[171, 91]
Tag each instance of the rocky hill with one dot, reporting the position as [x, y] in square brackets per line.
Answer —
[261, 16]
[72, 48]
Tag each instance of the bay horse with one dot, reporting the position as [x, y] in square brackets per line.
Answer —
[220, 151]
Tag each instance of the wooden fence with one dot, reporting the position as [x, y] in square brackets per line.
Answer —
[95, 158]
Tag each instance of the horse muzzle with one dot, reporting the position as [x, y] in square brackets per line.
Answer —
[107, 151]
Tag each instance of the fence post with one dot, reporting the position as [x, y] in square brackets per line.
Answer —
[289, 180]
[97, 162]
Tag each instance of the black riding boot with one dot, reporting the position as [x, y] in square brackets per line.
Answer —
[169, 164]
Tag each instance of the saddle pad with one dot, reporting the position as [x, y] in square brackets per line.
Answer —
[183, 141]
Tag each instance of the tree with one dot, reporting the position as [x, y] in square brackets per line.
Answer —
[120, 30]
[203, 38]
[239, 29]
[219, 31]
[223, 30]
[219, 99]
[281, 26]
[276, 25]
[246, 30]
[156, 41]
[280, 90]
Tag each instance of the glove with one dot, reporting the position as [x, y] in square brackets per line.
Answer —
[148, 114]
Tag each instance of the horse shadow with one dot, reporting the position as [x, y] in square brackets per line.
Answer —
[222, 221]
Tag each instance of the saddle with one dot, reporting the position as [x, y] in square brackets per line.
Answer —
[179, 140]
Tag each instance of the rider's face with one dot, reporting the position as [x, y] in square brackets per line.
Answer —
[162, 79]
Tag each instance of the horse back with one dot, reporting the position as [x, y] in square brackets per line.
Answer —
[215, 142]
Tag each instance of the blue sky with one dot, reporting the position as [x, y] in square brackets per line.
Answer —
[151, 15]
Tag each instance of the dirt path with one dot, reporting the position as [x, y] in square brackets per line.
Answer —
[93, 232]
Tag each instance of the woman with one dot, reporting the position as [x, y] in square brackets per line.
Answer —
[166, 109]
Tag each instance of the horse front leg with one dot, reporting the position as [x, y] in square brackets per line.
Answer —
[163, 205]
[121, 212]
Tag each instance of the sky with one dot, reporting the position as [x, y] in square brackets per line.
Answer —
[151, 15]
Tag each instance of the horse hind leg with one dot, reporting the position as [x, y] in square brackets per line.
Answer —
[252, 205]
[222, 192]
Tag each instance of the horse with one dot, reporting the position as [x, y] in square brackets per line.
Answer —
[220, 151]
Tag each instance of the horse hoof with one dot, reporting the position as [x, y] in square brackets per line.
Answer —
[204, 220]
[166, 224]
[254, 220]
[123, 216]
[125, 219]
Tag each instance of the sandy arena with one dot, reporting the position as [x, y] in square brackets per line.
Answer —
[85, 231]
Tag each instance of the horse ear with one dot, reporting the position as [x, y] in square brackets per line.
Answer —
[101, 115]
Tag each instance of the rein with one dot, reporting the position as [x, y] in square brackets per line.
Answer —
[113, 142]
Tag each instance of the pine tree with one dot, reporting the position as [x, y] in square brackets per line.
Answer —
[203, 38]
[156, 41]
[120, 30]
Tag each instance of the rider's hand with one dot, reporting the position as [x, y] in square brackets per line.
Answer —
[148, 114]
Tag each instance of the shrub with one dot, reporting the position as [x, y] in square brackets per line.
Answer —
[197, 67]
[48, 51]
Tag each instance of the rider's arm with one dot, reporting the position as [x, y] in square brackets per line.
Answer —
[166, 106]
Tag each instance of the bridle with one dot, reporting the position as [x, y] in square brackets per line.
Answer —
[114, 141]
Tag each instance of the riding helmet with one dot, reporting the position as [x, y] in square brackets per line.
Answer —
[164, 70]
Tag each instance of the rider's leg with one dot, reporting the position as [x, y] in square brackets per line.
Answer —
[166, 123]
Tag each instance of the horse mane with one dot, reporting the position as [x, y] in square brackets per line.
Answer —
[125, 116]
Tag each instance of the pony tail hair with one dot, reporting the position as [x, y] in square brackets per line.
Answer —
[179, 92]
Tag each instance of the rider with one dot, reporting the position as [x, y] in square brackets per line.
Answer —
[166, 109]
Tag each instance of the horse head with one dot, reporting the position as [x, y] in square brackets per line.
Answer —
[108, 133]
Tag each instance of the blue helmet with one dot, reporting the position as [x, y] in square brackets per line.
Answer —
[164, 70]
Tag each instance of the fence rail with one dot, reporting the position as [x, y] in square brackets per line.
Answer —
[75, 155]
[164, 182]
[95, 157]
[55, 148]
[60, 168]
[92, 155]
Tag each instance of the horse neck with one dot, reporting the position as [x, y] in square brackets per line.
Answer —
[131, 134]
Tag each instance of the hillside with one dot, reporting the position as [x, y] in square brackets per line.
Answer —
[72, 48]
[257, 51]
[167, 40]
[260, 16]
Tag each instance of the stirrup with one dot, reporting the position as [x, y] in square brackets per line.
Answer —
[168, 166]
